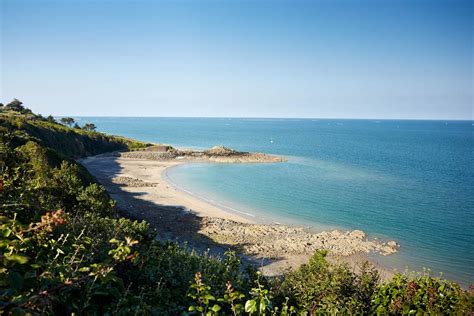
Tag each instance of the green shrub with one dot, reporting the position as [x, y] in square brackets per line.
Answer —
[167, 270]
[46, 270]
[321, 286]
[421, 295]
[102, 229]
[94, 198]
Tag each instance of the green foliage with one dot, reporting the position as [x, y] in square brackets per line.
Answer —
[201, 294]
[321, 286]
[233, 302]
[260, 303]
[17, 106]
[317, 288]
[166, 270]
[124, 249]
[50, 119]
[48, 182]
[233, 298]
[89, 127]
[67, 121]
[45, 271]
[94, 197]
[421, 295]
[67, 141]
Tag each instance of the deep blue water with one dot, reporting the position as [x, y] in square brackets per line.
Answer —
[412, 181]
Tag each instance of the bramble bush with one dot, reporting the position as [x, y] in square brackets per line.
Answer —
[321, 286]
[45, 270]
[423, 294]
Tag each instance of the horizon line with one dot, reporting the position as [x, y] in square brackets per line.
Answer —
[266, 118]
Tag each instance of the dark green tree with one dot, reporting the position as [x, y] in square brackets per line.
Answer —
[51, 119]
[67, 121]
[17, 106]
[89, 127]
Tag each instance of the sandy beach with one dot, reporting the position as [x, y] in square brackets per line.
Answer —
[139, 185]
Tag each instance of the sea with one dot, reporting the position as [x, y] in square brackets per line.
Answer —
[405, 180]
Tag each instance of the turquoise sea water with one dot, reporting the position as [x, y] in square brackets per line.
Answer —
[411, 181]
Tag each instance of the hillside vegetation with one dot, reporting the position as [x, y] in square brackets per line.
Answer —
[65, 249]
[70, 142]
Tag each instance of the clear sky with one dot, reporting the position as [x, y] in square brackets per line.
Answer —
[321, 59]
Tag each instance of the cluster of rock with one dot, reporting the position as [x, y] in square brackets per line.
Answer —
[271, 241]
[220, 151]
[226, 155]
[219, 154]
[150, 155]
[132, 182]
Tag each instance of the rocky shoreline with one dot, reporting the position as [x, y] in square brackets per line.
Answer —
[271, 241]
[219, 154]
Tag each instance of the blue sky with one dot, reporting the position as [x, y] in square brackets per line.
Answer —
[320, 59]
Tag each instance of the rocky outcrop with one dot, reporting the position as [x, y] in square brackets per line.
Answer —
[218, 154]
[151, 155]
[220, 151]
[271, 241]
[132, 182]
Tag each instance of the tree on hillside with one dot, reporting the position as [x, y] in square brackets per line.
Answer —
[67, 121]
[17, 106]
[51, 119]
[89, 127]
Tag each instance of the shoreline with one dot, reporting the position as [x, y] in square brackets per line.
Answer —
[245, 216]
[250, 217]
[179, 215]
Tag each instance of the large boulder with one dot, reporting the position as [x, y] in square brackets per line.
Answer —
[357, 234]
[220, 151]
